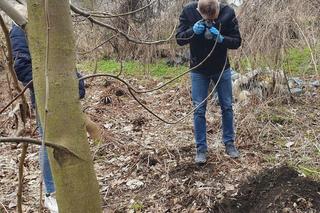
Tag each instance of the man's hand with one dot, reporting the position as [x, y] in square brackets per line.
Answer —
[198, 27]
[216, 34]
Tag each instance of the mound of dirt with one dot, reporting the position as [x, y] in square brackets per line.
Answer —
[275, 190]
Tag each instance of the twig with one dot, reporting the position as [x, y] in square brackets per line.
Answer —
[10, 65]
[31, 141]
[15, 98]
[126, 36]
[108, 15]
[308, 44]
[40, 199]
[20, 178]
[157, 88]
[103, 43]
[4, 207]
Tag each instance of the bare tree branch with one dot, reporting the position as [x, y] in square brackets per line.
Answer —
[103, 43]
[10, 65]
[129, 38]
[12, 13]
[31, 141]
[109, 15]
[15, 98]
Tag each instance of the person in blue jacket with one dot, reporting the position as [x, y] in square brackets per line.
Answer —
[23, 69]
[203, 24]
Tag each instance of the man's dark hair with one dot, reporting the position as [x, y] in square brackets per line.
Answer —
[208, 7]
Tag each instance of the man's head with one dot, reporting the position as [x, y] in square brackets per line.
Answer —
[209, 9]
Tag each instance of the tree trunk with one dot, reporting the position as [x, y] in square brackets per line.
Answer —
[60, 112]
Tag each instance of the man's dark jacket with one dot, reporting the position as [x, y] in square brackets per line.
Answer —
[22, 58]
[201, 47]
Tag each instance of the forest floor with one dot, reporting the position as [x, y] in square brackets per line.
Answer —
[144, 165]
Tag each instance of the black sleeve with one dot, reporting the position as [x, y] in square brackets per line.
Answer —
[185, 32]
[232, 37]
[82, 89]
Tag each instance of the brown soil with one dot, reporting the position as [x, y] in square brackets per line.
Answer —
[275, 190]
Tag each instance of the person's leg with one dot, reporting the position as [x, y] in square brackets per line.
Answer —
[199, 91]
[45, 165]
[224, 89]
[49, 200]
[44, 160]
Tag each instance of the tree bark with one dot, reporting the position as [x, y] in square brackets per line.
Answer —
[73, 172]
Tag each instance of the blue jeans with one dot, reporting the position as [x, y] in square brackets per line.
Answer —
[200, 85]
[44, 160]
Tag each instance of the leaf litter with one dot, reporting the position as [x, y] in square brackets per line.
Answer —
[144, 165]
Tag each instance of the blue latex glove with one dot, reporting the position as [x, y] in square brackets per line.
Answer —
[198, 27]
[216, 34]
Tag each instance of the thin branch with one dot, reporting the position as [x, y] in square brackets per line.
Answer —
[13, 14]
[31, 141]
[157, 88]
[108, 15]
[125, 82]
[20, 177]
[4, 207]
[129, 38]
[15, 98]
[308, 44]
[10, 64]
[103, 43]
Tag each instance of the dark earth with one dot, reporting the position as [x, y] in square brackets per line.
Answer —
[275, 190]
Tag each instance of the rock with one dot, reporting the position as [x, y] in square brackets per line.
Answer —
[286, 210]
[243, 96]
[296, 91]
[315, 84]
[229, 187]
[134, 184]
[234, 75]
[289, 144]
[295, 82]
[12, 204]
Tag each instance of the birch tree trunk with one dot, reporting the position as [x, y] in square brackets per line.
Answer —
[73, 172]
